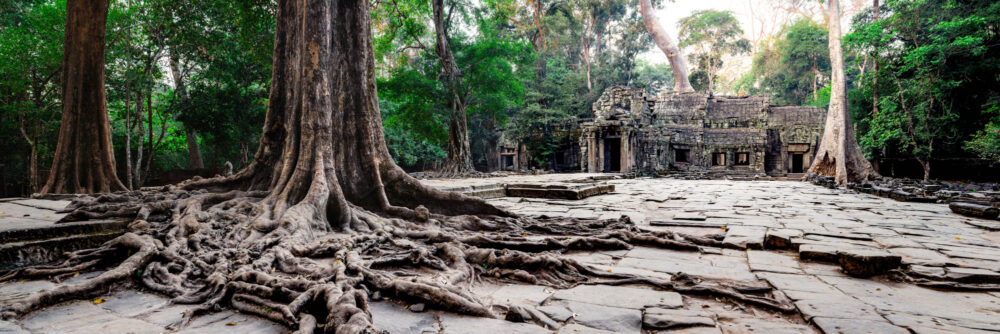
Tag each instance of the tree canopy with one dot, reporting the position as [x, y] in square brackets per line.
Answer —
[711, 35]
[186, 77]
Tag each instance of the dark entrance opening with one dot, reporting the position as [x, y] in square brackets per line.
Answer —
[612, 155]
[797, 163]
[681, 155]
[742, 159]
[719, 159]
[508, 162]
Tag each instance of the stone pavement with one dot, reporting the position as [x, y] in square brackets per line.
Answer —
[793, 235]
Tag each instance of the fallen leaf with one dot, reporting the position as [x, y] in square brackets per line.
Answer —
[231, 323]
[957, 238]
[609, 270]
[99, 301]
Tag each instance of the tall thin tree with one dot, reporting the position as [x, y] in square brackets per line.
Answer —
[838, 154]
[662, 40]
[459, 161]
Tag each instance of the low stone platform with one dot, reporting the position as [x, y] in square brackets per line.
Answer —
[568, 189]
[30, 235]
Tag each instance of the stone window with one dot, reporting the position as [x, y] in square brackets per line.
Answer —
[719, 159]
[742, 159]
[681, 155]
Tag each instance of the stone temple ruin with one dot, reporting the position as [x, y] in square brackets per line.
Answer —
[632, 132]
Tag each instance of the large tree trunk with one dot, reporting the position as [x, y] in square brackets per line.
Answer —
[459, 160]
[662, 40]
[838, 154]
[83, 161]
[323, 145]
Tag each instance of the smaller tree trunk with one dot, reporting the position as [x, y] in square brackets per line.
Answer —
[128, 138]
[33, 182]
[83, 160]
[586, 62]
[194, 152]
[138, 124]
[926, 164]
[662, 40]
[875, 13]
[459, 160]
[536, 15]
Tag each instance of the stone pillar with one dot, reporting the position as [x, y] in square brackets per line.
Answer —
[625, 159]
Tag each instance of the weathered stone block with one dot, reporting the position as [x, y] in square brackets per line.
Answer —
[974, 210]
[868, 262]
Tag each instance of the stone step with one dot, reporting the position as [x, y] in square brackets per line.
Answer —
[30, 233]
[567, 191]
[15, 233]
[21, 254]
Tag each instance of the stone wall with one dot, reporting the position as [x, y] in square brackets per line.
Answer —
[697, 132]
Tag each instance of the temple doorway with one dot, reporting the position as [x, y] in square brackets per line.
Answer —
[797, 161]
[612, 155]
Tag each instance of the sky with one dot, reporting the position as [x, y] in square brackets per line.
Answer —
[758, 18]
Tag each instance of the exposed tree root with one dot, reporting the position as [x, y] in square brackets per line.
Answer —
[943, 283]
[202, 248]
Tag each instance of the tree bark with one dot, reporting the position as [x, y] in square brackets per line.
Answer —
[33, 182]
[83, 160]
[323, 149]
[536, 15]
[926, 165]
[662, 40]
[875, 14]
[137, 166]
[838, 154]
[459, 161]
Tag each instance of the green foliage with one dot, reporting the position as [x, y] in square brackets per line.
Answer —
[413, 141]
[653, 77]
[512, 68]
[986, 142]
[613, 35]
[937, 64]
[494, 64]
[31, 42]
[711, 34]
[795, 68]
